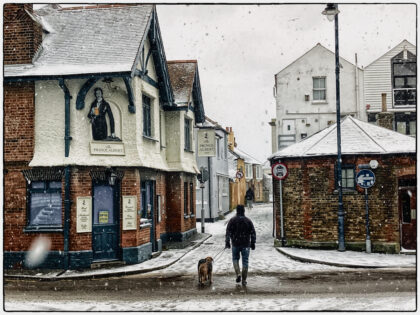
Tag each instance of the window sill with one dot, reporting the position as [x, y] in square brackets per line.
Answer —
[346, 191]
[192, 215]
[43, 229]
[186, 216]
[188, 150]
[145, 225]
[150, 138]
[319, 102]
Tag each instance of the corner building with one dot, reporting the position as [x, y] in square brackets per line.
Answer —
[75, 73]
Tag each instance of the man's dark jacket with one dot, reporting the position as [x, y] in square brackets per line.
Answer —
[241, 230]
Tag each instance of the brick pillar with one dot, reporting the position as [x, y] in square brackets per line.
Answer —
[21, 34]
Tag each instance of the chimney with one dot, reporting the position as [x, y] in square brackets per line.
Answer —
[385, 119]
[231, 138]
[21, 34]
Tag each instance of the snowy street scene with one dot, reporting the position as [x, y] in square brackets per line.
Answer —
[275, 282]
[209, 157]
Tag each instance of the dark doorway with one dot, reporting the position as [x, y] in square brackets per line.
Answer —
[407, 198]
[106, 222]
[148, 197]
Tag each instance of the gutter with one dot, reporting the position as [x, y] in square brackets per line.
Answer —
[67, 98]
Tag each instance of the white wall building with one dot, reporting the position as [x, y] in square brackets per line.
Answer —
[394, 74]
[305, 95]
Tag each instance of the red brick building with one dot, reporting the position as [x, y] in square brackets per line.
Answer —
[310, 196]
[88, 129]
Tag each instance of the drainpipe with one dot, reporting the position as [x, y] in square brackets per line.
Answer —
[67, 98]
[67, 139]
[67, 204]
[358, 113]
[210, 190]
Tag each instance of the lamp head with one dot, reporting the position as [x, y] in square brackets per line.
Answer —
[330, 11]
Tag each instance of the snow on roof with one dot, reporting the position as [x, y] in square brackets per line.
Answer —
[88, 40]
[357, 137]
[246, 157]
[182, 74]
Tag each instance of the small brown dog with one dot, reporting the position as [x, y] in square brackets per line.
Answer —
[205, 270]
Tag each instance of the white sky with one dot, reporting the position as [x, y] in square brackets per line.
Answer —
[239, 48]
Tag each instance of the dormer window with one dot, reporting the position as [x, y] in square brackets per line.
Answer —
[404, 79]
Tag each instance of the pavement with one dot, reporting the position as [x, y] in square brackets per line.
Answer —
[349, 259]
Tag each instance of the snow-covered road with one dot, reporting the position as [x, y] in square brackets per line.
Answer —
[264, 259]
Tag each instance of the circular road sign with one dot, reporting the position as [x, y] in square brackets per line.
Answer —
[279, 171]
[239, 174]
[365, 179]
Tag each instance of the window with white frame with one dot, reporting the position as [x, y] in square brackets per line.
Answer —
[258, 172]
[319, 89]
[248, 171]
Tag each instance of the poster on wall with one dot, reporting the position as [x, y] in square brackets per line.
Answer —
[84, 215]
[206, 142]
[129, 212]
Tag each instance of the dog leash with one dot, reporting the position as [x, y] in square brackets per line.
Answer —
[219, 253]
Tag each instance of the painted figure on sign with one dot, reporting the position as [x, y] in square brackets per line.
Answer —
[97, 115]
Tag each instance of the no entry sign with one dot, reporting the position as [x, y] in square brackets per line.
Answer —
[279, 171]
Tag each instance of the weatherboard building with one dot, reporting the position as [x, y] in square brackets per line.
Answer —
[310, 196]
[90, 121]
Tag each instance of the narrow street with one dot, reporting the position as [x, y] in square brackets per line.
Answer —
[276, 283]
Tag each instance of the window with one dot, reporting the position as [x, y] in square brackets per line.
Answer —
[187, 134]
[185, 198]
[44, 204]
[404, 79]
[218, 148]
[319, 89]
[258, 172]
[347, 177]
[248, 171]
[147, 116]
[191, 198]
[303, 135]
[372, 118]
[162, 133]
[147, 198]
[225, 147]
[405, 123]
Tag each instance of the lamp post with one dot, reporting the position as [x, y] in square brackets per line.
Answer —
[331, 11]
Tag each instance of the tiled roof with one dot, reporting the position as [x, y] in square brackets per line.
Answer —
[357, 137]
[182, 74]
[99, 39]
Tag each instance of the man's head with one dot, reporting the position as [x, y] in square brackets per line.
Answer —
[98, 93]
[240, 210]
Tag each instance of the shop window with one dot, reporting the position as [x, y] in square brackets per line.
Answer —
[191, 198]
[347, 177]
[44, 204]
[319, 89]
[147, 116]
[185, 198]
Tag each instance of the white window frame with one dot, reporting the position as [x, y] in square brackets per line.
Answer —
[319, 89]
[248, 171]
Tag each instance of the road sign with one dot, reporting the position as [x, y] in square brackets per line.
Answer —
[365, 178]
[279, 171]
[239, 174]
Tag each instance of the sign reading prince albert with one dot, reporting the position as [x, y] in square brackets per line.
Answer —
[98, 111]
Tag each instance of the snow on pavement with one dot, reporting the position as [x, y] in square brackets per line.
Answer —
[395, 301]
[264, 259]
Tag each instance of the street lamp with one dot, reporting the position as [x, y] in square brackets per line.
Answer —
[331, 11]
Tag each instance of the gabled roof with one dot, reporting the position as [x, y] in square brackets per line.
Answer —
[406, 42]
[185, 83]
[317, 46]
[210, 123]
[357, 137]
[246, 157]
[90, 39]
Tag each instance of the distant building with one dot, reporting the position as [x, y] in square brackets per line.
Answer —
[390, 86]
[216, 189]
[309, 193]
[305, 96]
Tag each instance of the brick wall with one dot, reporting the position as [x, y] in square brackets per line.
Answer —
[19, 114]
[310, 201]
[21, 34]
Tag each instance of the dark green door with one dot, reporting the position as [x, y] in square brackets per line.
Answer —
[105, 229]
[148, 208]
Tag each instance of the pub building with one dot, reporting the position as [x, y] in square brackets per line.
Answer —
[96, 157]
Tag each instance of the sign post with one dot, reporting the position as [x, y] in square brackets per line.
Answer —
[280, 172]
[365, 179]
[202, 178]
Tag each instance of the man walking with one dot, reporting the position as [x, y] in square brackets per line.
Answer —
[241, 230]
[249, 196]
